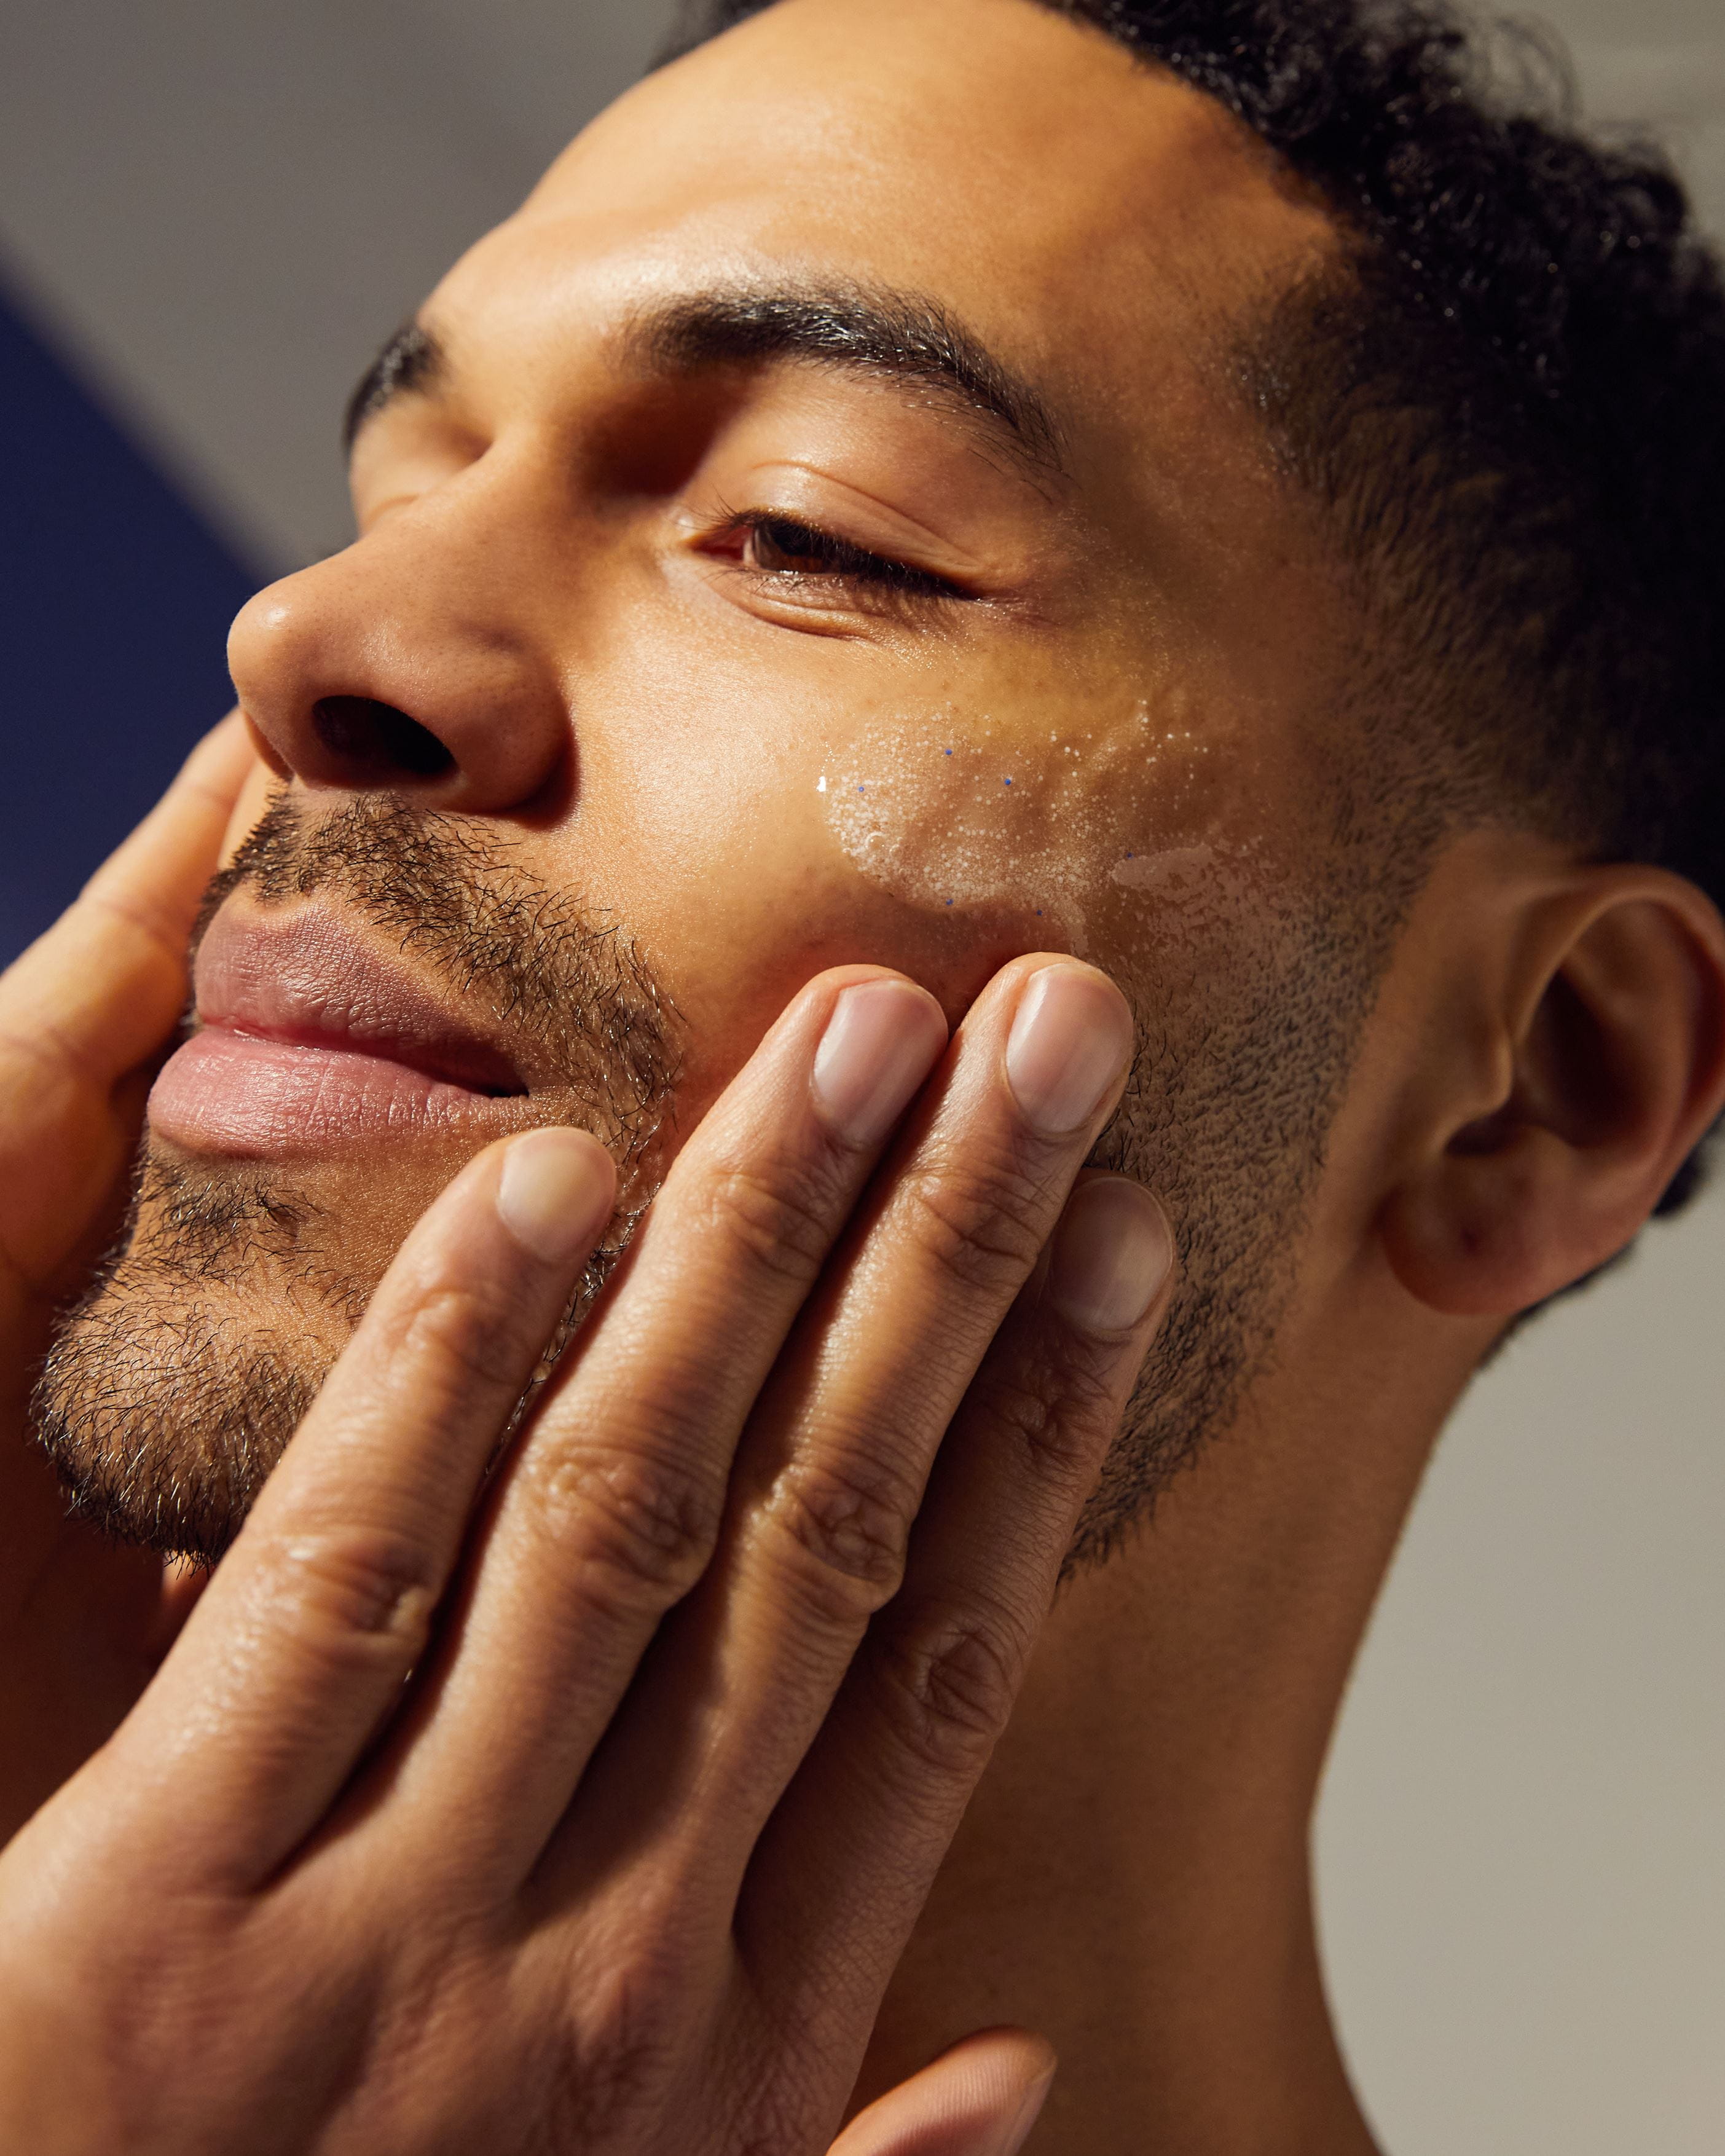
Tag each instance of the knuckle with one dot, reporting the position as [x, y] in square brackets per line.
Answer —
[639, 1529]
[469, 1331]
[982, 1222]
[371, 1590]
[779, 1215]
[846, 1523]
[948, 1681]
[1058, 1416]
[623, 2057]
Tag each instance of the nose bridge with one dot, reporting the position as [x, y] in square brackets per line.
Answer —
[417, 659]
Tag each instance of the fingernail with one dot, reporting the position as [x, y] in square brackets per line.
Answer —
[554, 1193]
[1110, 1255]
[1069, 1048]
[1014, 2137]
[880, 1045]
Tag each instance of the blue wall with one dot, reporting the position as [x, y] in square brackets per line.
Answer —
[115, 602]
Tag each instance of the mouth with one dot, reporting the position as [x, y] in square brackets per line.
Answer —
[310, 1041]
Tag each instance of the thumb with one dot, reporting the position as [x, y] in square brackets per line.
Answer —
[980, 2098]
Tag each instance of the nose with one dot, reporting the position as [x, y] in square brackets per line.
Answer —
[412, 662]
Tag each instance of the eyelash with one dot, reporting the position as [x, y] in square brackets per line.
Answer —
[841, 560]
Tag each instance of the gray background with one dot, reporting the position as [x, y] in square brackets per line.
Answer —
[219, 209]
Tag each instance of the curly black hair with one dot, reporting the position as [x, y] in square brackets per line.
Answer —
[1508, 397]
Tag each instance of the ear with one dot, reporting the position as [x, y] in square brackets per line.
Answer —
[1600, 1066]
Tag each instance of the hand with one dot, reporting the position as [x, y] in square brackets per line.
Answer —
[85, 1014]
[598, 1822]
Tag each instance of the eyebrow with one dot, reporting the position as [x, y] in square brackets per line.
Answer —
[866, 330]
[412, 360]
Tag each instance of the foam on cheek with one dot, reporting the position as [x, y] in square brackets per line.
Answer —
[975, 815]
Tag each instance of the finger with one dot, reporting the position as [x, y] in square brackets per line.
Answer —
[979, 2098]
[831, 1474]
[609, 1511]
[305, 1637]
[87, 1004]
[104, 985]
[845, 1865]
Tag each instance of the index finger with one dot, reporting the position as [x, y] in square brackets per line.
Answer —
[102, 987]
[313, 1622]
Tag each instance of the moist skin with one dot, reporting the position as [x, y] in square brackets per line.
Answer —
[1065, 826]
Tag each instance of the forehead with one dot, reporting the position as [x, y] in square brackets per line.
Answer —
[1098, 219]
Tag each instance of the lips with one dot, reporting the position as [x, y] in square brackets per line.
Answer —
[310, 1041]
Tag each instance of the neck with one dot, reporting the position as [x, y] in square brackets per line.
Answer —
[1132, 1879]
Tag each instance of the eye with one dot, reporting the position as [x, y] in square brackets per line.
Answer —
[781, 547]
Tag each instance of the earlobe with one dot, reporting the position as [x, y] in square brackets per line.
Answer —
[1612, 1025]
[1473, 1236]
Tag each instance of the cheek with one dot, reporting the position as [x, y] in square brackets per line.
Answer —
[750, 832]
[705, 830]
[1072, 828]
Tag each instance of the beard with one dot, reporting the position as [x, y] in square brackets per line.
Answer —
[175, 1383]
[1242, 1062]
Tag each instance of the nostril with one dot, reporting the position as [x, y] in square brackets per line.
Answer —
[377, 735]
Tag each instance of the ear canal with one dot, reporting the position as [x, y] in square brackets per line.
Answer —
[1569, 1076]
[1563, 1079]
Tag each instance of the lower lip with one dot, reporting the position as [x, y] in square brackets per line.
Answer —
[230, 1093]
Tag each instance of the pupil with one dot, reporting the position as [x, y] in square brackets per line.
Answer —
[793, 544]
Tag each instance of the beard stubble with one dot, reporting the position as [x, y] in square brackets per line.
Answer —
[175, 1383]
[169, 1396]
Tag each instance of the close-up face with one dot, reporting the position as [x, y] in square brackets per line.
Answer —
[821, 525]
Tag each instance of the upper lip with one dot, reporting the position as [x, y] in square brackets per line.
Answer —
[304, 977]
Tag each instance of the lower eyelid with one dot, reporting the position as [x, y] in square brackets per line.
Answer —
[908, 584]
[830, 602]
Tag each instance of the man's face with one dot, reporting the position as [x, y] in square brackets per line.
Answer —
[817, 527]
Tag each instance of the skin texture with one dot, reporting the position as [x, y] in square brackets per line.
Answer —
[747, 771]
[547, 581]
[665, 1853]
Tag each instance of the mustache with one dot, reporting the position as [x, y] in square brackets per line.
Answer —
[456, 898]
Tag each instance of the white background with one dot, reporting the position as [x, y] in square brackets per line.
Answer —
[222, 208]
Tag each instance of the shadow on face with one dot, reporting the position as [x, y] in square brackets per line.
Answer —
[817, 527]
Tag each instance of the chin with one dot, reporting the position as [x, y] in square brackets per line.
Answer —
[163, 1414]
[174, 1386]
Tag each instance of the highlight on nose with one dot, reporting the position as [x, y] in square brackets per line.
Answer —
[377, 739]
